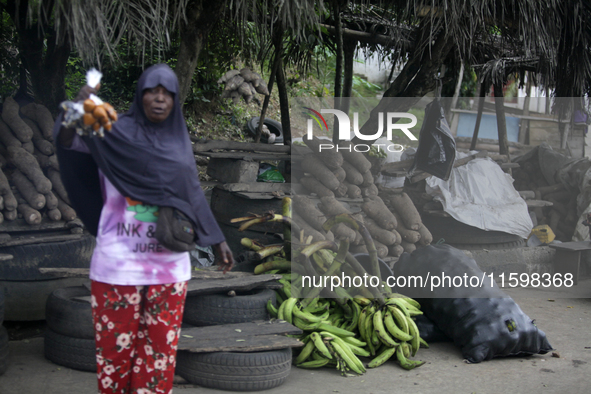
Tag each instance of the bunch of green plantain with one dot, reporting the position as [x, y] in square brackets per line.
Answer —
[334, 339]
[389, 330]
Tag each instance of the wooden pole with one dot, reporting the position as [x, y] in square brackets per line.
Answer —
[501, 121]
[483, 89]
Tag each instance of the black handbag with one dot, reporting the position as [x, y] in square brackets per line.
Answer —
[174, 230]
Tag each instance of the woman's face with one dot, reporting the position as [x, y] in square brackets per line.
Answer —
[158, 103]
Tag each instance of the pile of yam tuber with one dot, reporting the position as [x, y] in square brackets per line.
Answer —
[243, 83]
[561, 216]
[389, 215]
[30, 182]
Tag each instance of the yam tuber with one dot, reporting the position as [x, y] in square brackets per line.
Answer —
[54, 214]
[341, 231]
[50, 200]
[407, 234]
[12, 118]
[314, 166]
[29, 166]
[29, 147]
[371, 190]
[10, 214]
[332, 207]
[31, 216]
[27, 190]
[67, 211]
[6, 137]
[313, 185]
[41, 115]
[341, 191]
[426, 237]
[305, 208]
[58, 186]
[377, 233]
[408, 247]
[356, 159]
[330, 157]
[354, 177]
[340, 174]
[395, 250]
[367, 179]
[353, 191]
[405, 208]
[39, 141]
[380, 248]
[378, 211]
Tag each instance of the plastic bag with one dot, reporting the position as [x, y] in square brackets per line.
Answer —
[482, 320]
[269, 173]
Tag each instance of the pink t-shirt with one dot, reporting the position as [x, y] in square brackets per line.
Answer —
[126, 252]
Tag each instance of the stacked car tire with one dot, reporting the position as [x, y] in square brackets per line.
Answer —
[234, 371]
[69, 337]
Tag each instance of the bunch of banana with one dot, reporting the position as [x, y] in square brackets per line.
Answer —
[389, 329]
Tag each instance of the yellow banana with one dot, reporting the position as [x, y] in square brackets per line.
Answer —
[381, 358]
[378, 326]
[393, 328]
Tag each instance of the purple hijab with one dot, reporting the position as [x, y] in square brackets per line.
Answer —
[154, 162]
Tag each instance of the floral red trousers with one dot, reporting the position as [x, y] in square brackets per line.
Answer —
[137, 331]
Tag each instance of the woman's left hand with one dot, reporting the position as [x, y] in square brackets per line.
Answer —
[223, 256]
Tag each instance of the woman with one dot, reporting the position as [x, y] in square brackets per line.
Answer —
[116, 185]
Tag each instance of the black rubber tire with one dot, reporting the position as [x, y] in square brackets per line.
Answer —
[67, 316]
[216, 309]
[75, 353]
[458, 233]
[29, 258]
[3, 350]
[274, 127]
[235, 371]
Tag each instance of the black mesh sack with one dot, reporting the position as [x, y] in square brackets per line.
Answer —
[481, 319]
[429, 331]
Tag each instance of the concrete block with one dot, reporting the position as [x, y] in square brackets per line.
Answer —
[232, 170]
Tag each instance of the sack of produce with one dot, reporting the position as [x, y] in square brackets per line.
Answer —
[480, 318]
